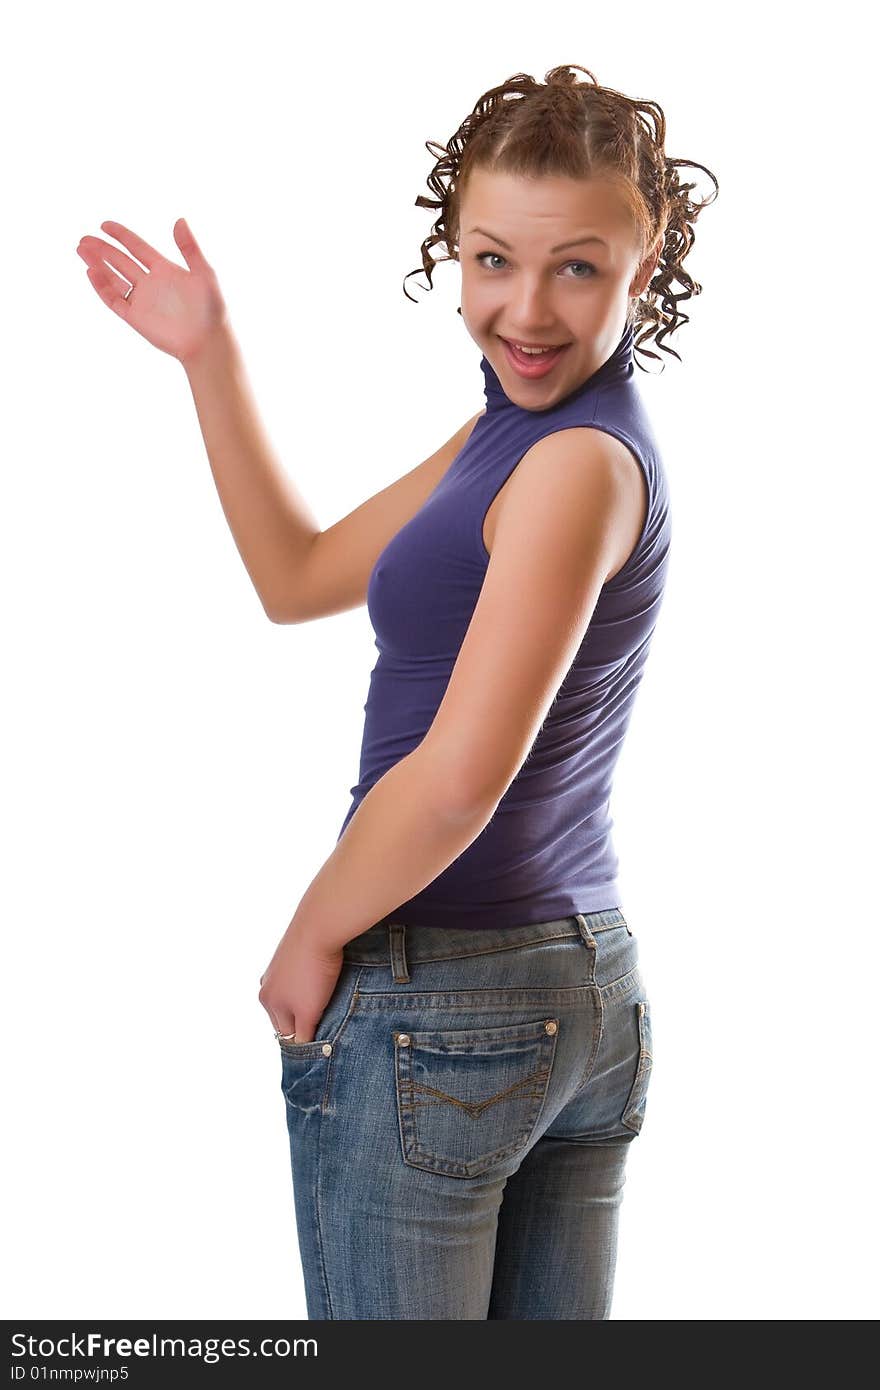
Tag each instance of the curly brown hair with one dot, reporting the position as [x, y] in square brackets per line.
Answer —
[578, 129]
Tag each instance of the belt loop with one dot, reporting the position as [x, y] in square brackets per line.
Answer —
[399, 969]
[583, 927]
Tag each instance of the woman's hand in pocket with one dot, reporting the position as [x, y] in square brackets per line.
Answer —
[299, 982]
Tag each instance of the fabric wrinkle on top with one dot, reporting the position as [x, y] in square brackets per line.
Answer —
[548, 851]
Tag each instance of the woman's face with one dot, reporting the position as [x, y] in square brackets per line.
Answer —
[519, 284]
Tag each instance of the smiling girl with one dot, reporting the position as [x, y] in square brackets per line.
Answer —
[465, 1035]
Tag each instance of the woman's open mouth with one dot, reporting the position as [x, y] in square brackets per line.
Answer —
[533, 364]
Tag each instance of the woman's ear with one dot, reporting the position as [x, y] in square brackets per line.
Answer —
[646, 269]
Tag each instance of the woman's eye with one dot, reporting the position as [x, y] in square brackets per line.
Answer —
[496, 255]
[586, 265]
[483, 254]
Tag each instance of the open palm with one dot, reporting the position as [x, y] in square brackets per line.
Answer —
[174, 308]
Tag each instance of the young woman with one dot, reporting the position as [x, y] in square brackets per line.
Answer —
[464, 1031]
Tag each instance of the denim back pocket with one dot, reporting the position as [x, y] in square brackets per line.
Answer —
[634, 1110]
[468, 1098]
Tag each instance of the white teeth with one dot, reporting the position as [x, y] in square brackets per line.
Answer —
[533, 352]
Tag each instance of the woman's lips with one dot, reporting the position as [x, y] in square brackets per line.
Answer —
[532, 365]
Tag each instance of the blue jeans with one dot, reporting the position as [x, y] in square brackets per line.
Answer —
[460, 1125]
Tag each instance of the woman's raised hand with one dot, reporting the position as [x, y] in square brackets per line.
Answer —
[174, 309]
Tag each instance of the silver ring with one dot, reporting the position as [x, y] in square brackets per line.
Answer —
[288, 1037]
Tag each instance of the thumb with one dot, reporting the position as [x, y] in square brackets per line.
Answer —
[306, 1027]
[189, 247]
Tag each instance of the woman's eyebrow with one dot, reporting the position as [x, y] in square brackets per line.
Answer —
[563, 246]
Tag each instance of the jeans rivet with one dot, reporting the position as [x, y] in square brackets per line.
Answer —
[327, 1049]
[402, 1039]
[551, 1025]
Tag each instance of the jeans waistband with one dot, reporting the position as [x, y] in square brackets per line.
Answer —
[396, 943]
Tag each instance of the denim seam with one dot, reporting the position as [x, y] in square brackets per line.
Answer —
[319, 1160]
[319, 1236]
[352, 1004]
[611, 987]
[599, 1033]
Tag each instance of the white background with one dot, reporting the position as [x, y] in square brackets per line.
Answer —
[176, 768]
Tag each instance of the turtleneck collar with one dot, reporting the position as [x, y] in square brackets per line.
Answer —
[618, 367]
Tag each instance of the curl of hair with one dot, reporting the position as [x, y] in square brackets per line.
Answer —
[578, 129]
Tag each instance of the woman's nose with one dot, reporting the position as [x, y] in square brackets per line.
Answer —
[531, 311]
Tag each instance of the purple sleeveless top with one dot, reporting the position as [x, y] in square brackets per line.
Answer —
[547, 851]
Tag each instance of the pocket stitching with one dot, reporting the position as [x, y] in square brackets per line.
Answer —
[540, 1074]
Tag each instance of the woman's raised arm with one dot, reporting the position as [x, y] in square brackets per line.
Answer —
[182, 312]
[299, 571]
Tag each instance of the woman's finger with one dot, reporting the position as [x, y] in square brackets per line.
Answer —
[93, 250]
[145, 253]
[110, 288]
[282, 1020]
